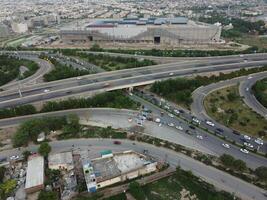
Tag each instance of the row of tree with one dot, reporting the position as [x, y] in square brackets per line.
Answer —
[175, 53]
[180, 90]
[62, 71]
[260, 91]
[114, 62]
[114, 99]
[10, 68]
[240, 26]
[240, 166]
[29, 130]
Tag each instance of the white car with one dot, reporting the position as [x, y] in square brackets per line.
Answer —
[14, 157]
[46, 90]
[157, 120]
[248, 145]
[244, 151]
[199, 137]
[78, 78]
[196, 120]
[171, 73]
[176, 111]
[247, 137]
[167, 107]
[171, 115]
[171, 124]
[210, 123]
[259, 141]
[179, 128]
[250, 77]
[160, 124]
[247, 89]
[227, 146]
[130, 119]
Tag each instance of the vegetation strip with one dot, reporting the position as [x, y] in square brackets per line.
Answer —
[114, 99]
[10, 68]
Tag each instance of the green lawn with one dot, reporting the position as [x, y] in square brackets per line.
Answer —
[260, 91]
[260, 42]
[183, 185]
[111, 63]
[227, 107]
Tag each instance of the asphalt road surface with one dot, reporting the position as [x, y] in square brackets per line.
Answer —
[44, 67]
[115, 80]
[197, 108]
[245, 90]
[216, 177]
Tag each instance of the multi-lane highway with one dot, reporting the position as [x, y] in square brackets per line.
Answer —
[44, 67]
[121, 79]
[197, 107]
[245, 90]
[140, 76]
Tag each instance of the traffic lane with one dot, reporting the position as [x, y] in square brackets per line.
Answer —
[245, 90]
[227, 132]
[211, 142]
[44, 67]
[36, 95]
[198, 109]
[140, 71]
[82, 112]
[221, 180]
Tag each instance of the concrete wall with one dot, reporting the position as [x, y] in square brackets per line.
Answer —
[109, 182]
[168, 35]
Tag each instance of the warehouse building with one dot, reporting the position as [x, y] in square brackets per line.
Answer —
[156, 31]
[35, 174]
[115, 167]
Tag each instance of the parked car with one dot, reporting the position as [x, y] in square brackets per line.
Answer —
[248, 145]
[210, 123]
[179, 128]
[244, 151]
[247, 137]
[236, 132]
[14, 157]
[259, 141]
[192, 127]
[171, 124]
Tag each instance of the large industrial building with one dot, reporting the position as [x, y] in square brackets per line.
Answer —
[112, 168]
[156, 31]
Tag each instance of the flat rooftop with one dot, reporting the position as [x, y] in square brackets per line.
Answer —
[60, 158]
[35, 172]
[119, 163]
[137, 22]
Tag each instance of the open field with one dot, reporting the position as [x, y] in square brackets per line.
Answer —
[227, 107]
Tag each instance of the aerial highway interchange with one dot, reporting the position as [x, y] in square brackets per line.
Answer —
[33, 91]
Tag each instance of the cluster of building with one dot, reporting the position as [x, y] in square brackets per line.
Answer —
[162, 31]
[97, 173]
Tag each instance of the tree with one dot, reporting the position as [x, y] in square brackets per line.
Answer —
[261, 172]
[136, 190]
[26, 154]
[44, 149]
[227, 160]
[2, 174]
[45, 195]
[7, 187]
[240, 165]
